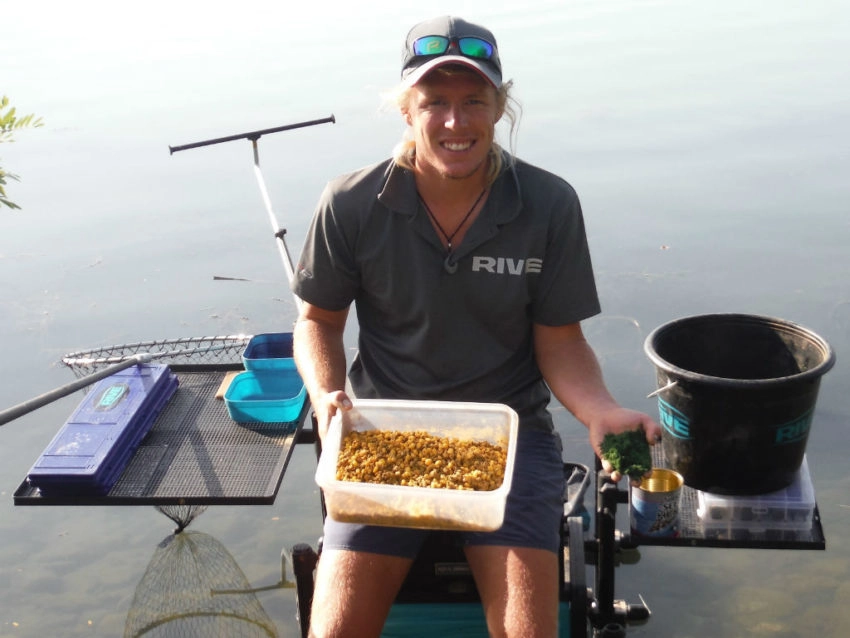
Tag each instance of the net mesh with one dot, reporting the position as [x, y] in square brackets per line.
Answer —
[193, 587]
[181, 515]
[214, 350]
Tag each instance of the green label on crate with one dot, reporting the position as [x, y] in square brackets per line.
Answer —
[111, 397]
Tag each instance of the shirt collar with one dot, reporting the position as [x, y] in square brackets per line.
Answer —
[505, 199]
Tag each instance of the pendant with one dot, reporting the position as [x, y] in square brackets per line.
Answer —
[449, 265]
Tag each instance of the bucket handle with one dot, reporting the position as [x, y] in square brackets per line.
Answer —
[669, 385]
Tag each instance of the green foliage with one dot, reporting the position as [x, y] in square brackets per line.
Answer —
[9, 123]
[628, 453]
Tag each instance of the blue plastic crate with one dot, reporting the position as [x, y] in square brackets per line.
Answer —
[94, 445]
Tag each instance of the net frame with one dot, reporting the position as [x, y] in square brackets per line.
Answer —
[207, 350]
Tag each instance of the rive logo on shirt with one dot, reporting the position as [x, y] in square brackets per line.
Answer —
[506, 265]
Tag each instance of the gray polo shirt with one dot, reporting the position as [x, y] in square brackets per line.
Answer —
[456, 328]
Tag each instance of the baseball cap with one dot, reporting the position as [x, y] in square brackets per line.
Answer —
[450, 40]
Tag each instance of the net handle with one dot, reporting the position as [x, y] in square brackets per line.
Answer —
[10, 414]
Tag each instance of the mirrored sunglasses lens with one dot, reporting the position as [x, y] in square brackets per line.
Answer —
[430, 45]
[475, 48]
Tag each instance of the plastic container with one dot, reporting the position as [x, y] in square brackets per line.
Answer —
[756, 532]
[270, 351]
[792, 506]
[90, 451]
[736, 398]
[419, 507]
[784, 515]
[265, 396]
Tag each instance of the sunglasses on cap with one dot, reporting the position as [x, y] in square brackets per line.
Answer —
[469, 46]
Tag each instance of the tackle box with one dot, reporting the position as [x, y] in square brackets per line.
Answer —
[786, 513]
[94, 445]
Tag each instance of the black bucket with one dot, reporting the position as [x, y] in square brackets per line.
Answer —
[736, 395]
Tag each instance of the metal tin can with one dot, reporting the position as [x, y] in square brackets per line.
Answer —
[654, 509]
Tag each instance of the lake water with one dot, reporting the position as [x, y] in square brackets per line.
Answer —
[709, 145]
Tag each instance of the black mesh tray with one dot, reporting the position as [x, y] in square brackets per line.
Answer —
[195, 454]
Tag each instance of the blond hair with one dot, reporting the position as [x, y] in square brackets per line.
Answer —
[404, 152]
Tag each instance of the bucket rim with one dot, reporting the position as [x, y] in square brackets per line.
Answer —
[789, 326]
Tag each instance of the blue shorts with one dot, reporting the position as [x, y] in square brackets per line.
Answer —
[533, 513]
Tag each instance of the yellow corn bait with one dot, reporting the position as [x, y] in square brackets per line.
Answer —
[420, 459]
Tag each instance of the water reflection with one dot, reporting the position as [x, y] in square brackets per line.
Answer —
[193, 587]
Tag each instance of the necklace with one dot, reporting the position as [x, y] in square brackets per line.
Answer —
[449, 237]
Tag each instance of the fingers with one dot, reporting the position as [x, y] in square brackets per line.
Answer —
[613, 474]
[652, 431]
[616, 476]
[337, 400]
[331, 403]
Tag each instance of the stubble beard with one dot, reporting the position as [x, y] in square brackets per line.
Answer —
[480, 168]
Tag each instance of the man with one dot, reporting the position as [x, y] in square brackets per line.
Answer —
[470, 272]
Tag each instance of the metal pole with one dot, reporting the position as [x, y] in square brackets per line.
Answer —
[279, 232]
[10, 414]
[252, 135]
